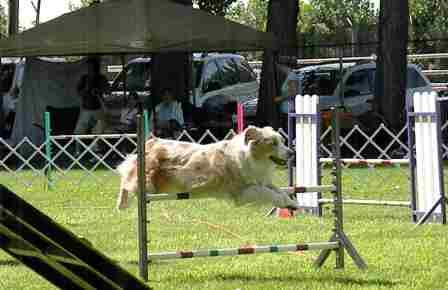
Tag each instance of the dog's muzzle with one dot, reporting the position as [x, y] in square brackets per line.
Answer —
[278, 161]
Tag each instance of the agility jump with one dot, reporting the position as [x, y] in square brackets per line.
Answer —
[427, 199]
[338, 242]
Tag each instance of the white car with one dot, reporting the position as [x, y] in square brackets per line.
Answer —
[220, 81]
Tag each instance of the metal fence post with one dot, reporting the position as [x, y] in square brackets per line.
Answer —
[47, 127]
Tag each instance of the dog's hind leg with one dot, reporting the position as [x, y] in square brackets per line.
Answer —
[123, 196]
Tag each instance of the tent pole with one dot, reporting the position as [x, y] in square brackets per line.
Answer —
[152, 103]
[47, 127]
[125, 76]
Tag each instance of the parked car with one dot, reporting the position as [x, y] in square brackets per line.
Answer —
[357, 84]
[220, 81]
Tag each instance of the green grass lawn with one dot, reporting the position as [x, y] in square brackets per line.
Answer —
[398, 255]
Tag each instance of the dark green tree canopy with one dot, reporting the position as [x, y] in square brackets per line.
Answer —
[334, 15]
[216, 7]
[428, 18]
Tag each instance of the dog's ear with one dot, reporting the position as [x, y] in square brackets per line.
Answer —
[252, 134]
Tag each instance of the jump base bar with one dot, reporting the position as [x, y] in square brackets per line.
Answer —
[369, 202]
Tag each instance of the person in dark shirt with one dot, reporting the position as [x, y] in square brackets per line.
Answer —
[91, 88]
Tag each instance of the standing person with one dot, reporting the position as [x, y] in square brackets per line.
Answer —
[91, 88]
[169, 116]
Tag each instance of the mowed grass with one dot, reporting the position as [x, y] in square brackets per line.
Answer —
[399, 256]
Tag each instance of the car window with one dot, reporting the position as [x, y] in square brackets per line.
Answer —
[211, 78]
[324, 82]
[228, 72]
[138, 77]
[245, 72]
[414, 79]
[6, 77]
[358, 83]
[197, 72]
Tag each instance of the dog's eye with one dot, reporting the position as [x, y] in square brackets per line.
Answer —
[275, 142]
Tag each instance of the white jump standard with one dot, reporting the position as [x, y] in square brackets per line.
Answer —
[427, 198]
[337, 243]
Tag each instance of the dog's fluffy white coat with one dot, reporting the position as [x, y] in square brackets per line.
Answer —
[240, 169]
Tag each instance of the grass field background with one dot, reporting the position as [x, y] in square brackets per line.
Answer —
[399, 256]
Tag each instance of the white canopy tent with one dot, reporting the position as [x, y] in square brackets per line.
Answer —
[108, 28]
[135, 27]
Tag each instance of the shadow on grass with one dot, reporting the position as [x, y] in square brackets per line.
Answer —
[295, 278]
[237, 277]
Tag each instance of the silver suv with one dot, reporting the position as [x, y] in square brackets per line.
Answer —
[358, 83]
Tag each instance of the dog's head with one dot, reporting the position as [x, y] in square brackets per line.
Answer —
[266, 143]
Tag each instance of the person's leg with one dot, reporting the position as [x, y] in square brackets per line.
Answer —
[98, 129]
[82, 127]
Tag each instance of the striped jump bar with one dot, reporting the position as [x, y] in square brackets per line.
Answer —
[356, 161]
[168, 196]
[243, 251]
[303, 189]
[289, 190]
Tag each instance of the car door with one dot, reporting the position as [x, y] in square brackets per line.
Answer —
[416, 81]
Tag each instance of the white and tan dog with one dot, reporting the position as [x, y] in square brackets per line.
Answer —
[240, 169]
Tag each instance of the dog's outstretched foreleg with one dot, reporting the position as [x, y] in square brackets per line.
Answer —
[267, 195]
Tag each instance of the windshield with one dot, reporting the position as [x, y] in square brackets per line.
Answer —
[322, 82]
[138, 77]
[197, 72]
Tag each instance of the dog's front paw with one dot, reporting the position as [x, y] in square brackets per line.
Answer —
[286, 202]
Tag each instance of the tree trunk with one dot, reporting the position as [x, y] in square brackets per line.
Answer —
[282, 22]
[13, 27]
[37, 8]
[171, 70]
[391, 73]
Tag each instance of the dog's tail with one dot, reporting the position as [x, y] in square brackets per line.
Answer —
[125, 168]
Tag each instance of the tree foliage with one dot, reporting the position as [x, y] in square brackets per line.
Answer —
[252, 13]
[216, 7]
[83, 3]
[3, 22]
[324, 16]
[428, 18]
[334, 15]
